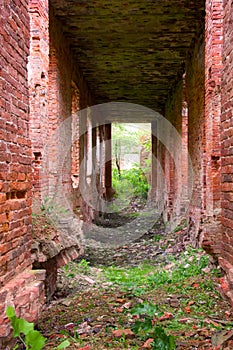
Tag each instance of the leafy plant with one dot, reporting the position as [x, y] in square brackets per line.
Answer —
[146, 327]
[83, 265]
[25, 332]
[132, 184]
[162, 341]
[157, 238]
[145, 309]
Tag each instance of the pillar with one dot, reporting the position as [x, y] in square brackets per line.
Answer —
[154, 170]
[108, 162]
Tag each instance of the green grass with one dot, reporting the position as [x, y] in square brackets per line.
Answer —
[147, 277]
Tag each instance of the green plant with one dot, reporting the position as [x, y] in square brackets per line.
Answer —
[75, 338]
[132, 181]
[25, 332]
[162, 341]
[46, 205]
[83, 265]
[146, 327]
[180, 227]
[157, 238]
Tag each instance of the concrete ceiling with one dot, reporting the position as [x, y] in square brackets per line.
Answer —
[130, 50]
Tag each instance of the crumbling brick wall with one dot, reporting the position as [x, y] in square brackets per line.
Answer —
[226, 259]
[195, 80]
[19, 286]
[211, 232]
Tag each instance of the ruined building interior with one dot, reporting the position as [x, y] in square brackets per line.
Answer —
[169, 60]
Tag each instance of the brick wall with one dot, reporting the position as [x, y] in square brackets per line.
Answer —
[18, 286]
[195, 82]
[67, 93]
[211, 234]
[226, 259]
[38, 88]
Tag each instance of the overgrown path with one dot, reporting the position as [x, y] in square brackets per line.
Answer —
[155, 293]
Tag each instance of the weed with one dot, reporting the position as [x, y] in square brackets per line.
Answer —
[157, 238]
[83, 266]
[146, 328]
[25, 332]
[76, 339]
[72, 269]
[181, 226]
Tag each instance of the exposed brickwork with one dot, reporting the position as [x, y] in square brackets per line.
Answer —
[195, 82]
[226, 150]
[26, 293]
[15, 173]
[211, 235]
[67, 94]
[38, 88]
[52, 85]
[18, 286]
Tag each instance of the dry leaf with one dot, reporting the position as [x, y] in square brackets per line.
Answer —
[147, 344]
[118, 333]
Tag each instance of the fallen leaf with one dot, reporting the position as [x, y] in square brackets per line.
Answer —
[187, 309]
[118, 333]
[119, 309]
[147, 344]
[120, 300]
[214, 323]
[66, 302]
[127, 305]
[56, 335]
[184, 320]
[88, 280]
[191, 302]
[69, 325]
[166, 316]
[169, 266]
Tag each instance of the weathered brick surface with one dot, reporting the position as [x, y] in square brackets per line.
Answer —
[226, 260]
[195, 80]
[211, 226]
[18, 288]
[15, 156]
[38, 88]
[55, 89]
[67, 93]
[26, 293]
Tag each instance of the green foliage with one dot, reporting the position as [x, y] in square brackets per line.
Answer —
[145, 309]
[124, 139]
[181, 226]
[83, 265]
[132, 181]
[72, 269]
[63, 345]
[32, 339]
[157, 238]
[24, 330]
[146, 327]
[128, 183]
[162, 341]
[146, 277]
[75, 338]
